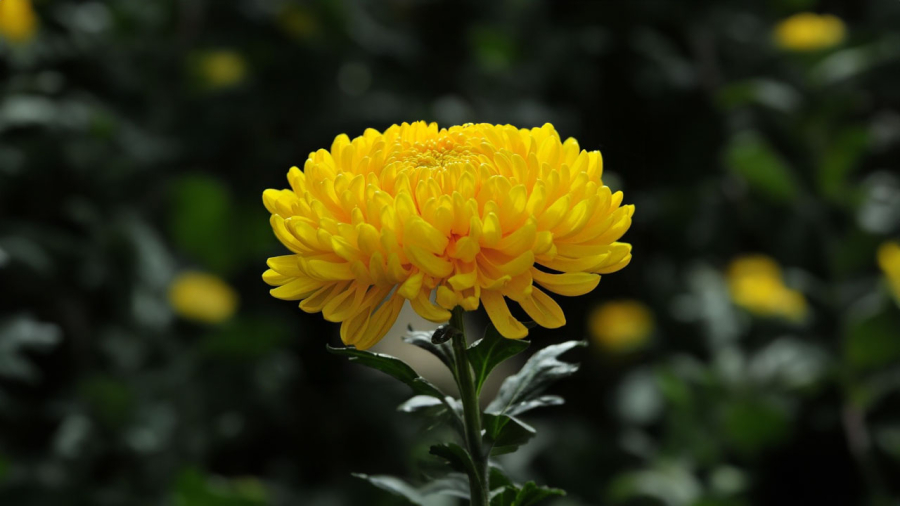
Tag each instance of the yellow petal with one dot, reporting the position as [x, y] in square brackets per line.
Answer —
[500, 316]
[296, 289]
[543, 310]
[435, 266]
[428, 310]
[569, 284]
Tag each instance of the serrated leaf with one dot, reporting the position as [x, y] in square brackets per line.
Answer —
[490, 351]
[519, 392]
[458, 458]
[395, 486]
[506, 434]
[529, 494]
[392, 366]
[422, 339]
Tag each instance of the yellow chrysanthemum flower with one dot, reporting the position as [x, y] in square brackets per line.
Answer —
[889, 261]
[444, 218]
[757, 285]
[202, 297]
[808, 31]
[223, 69]
[18, 21]
[621, 325]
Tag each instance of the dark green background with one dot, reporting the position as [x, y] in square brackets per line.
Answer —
[119, 168]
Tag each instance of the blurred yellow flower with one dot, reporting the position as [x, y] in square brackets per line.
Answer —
[808, 31]
[757, 285]
[18, 21]
[621, 325]
[202, 297]
[297, 22]
[889, 261]
[223, 69]
[464, 216]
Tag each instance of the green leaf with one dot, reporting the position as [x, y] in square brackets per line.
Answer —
[521, 392]
[422, 339]
[506, 434]
[444, 333]
[491, 350]
[200, 221]
[751, 157]
[453, 485]
[497, 479]
[840, 159]
[422, 403]
[872, 342]
[392, 366]
[395, 486]
[458, 458]
[529, 494]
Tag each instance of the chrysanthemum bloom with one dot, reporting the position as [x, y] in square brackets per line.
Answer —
[808, 31]
[889, 261]
[756, 284]
[621, 325]
[444, 218]
[18, 21]
[202, 297]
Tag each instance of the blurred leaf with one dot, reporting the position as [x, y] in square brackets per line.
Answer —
[490, 351]
[5, 466]
[852, 62]
[506, 434]
[245, 338]
[193, 488]
[18, 335]
[110, 399]
[872, 342]
[542, 369]
[530, 493]
[752, 158]
[840, 159]
[422, 339]
[395, 486]
[754, 425]
[453, 484]
[671, 483]
[791, 363]
[201, 223]
[392, 366]
[766, 92]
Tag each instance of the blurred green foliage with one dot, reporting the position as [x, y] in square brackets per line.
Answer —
[127, 156]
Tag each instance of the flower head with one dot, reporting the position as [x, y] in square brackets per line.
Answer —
[18, 21]
[621, 325]
[889, 261]
[464, 216]
[202, 297]
[808, 31]
[757, 285]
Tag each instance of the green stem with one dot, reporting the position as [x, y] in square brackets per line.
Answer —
[478, 485]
